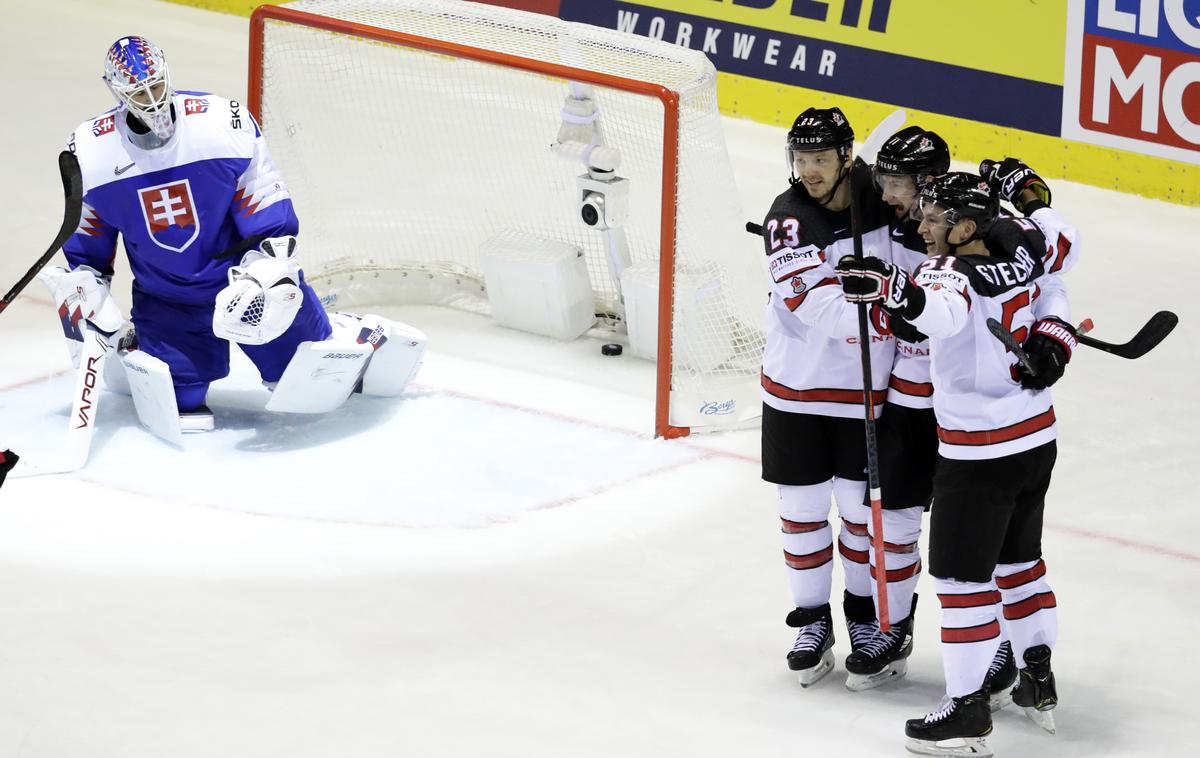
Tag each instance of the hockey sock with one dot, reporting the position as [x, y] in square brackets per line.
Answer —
[853, 543]
[807, 542]
[1029, 606]
[970, 632]
[902, 558]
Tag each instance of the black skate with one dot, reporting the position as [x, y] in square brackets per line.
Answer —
[1035, 691]
[956, 728]
[1001, 675]
[883, 656]
[811, 656]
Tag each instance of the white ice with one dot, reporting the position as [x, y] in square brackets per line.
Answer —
[503, 562]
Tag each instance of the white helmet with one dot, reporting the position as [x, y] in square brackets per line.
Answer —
[136, 72]
[260, 303]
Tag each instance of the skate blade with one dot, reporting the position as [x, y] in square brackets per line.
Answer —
[1044, 719]
[1000, 699]
[810, 676]
[972, 746]
[860, 682]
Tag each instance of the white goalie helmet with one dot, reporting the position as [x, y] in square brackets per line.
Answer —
[263, 295]
[135, 69]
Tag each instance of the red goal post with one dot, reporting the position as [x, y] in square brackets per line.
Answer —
[333, 23]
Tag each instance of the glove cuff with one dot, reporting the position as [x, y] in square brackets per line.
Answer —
[1059, 331]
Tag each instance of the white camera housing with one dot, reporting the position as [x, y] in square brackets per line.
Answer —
[603, 203]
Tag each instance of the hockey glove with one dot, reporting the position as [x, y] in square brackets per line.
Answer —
[873, 280]
[8, 459]
[1049, 346]
[81, 294]
[1010, 178]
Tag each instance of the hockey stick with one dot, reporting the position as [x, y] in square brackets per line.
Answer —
[866, 156]
[72, 181]
[244, 246]
[999, 332]
[1152, 332]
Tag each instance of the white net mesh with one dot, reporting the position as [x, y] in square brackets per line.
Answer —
[402, 162]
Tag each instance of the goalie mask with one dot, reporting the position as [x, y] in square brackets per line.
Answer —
[260, 303]
[136, 72]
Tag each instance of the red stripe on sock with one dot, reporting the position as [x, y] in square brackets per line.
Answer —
[800, 527]
[858, 556]
[1012, 581]
[970, 599]
[809, 560]
[972, 633]
[1029, 606]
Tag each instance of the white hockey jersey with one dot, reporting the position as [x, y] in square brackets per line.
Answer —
[982, 410]
[812, 363]
[910, 384]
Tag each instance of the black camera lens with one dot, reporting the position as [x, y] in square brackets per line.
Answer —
[591, 215]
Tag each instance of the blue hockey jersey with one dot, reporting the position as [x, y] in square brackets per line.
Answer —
[212, 185]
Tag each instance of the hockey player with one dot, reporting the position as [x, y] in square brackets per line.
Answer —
[996, 449]
[182, 177]
[813, 439]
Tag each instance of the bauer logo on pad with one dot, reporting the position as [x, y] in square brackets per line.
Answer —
[170, 214]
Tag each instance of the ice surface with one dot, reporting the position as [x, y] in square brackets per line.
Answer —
[503, 563]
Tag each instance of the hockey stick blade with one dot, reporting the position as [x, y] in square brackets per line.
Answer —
[1153, 332]
[880, 134]
[999, 332]
[72, 181]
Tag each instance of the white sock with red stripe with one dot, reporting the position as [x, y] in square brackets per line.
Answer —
[1029, 606]
[807, 542]
[901, 530]
[970, 632]
[853, 542]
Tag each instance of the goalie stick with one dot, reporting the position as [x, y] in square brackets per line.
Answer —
[1147, 338]
[72, 181]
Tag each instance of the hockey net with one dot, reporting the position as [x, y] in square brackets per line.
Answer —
[411, 131]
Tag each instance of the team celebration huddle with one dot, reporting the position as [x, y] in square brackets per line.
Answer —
[961, 427]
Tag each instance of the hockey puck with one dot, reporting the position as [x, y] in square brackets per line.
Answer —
[611, 348]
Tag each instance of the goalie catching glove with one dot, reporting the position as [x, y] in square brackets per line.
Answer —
[874, 280]
[263, 295]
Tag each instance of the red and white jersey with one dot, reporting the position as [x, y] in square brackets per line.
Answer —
[909, 384]
[1062, 253]
[982, 410]
[812, 363]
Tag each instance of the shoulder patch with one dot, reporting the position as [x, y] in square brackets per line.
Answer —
[789, 261]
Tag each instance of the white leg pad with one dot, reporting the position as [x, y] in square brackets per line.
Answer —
[149, 381]
[399, 350]
[320, 376]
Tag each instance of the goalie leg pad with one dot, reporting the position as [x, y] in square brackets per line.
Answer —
[320, 376]
[153, 393]
[399, 350]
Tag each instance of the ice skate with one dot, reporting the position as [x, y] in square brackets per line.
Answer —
[1035, 691]
[956, 728]
[1001, 675]
[882, 658]
[811, 657]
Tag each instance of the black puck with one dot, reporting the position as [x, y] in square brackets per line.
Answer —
[611, 348]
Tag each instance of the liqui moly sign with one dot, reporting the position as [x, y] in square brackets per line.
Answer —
[1132, 76]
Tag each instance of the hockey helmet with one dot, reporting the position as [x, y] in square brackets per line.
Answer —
[135, 70]
[957, 196]
[914, 152]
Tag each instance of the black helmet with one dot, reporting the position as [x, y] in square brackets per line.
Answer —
[914, 152]
[962, 196]
[821, 129]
